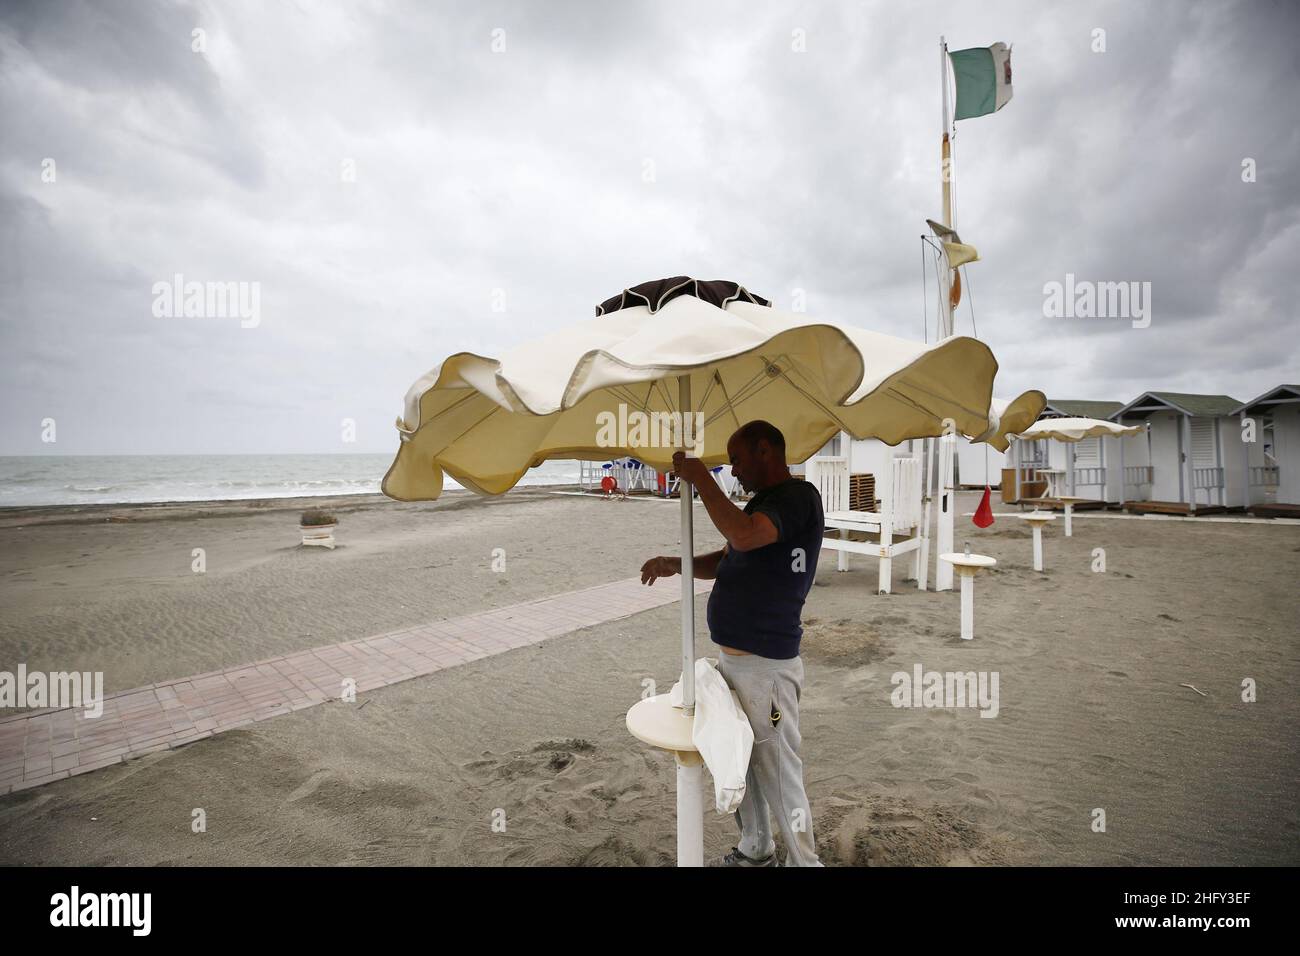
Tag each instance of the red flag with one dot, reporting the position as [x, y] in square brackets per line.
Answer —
[984, 513]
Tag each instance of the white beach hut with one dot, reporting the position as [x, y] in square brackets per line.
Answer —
[1272, 458]
[1188, 468]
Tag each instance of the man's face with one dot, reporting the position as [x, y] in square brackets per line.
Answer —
[745, 463]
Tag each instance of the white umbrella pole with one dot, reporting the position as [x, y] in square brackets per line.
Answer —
[690, 776]
[687, 493]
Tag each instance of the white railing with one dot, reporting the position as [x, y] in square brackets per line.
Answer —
[1090, 476]
[1208, 478]
[1266, 475]
[830, 474]
[907, 493]
[1139, 475]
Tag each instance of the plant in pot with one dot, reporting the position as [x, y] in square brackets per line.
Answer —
[317, 527]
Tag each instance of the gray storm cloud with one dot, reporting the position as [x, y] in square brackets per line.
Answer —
[389, 181]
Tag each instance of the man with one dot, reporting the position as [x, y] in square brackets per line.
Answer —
[762, 576]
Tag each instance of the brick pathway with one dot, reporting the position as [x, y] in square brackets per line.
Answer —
[38, 747]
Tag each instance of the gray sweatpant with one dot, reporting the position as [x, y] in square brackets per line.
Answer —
[774, 781]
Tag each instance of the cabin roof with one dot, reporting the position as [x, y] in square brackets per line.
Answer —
[1198, 406]
[1281, 394]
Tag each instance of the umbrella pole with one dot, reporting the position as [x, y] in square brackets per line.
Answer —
[687, 493]
[690, 775]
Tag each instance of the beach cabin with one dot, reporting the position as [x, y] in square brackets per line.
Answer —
[1272, 460]
[1188, 468]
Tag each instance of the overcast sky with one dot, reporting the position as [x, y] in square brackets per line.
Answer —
[525, 170]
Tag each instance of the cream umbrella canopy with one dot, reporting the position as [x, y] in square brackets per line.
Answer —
[486, 421]
[1075, 429]
[710, 352]
[1007, 418]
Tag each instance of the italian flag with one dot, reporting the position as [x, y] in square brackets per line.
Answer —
[983, 78]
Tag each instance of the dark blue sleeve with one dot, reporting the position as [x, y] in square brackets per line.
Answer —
[790, 510]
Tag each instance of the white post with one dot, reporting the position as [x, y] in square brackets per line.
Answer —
[1121, 470]
[947, 509]
[690, 774]
[690, 810]
[1038, 546]
[1018, 462]
[1069, 511]
[1069, 469]
[884, 580]
[1186, 431]
[687, 493]
[967, 606]
[947, 495]
[927, 490]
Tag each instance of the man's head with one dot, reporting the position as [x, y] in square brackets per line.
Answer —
[757, 453]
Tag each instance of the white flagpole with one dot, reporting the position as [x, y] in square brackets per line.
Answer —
[943, 571]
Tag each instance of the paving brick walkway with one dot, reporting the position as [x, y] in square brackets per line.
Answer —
[37, 747]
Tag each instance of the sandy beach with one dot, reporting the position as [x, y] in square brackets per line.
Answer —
[1092, 712]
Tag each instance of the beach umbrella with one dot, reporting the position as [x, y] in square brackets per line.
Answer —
[678, 364]
[1072, 431]
[1075, 429]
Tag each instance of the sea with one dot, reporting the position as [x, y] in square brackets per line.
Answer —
[138, 479]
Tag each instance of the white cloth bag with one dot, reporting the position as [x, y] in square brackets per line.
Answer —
[721, 733]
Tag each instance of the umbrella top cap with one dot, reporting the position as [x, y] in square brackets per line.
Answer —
[656, 293]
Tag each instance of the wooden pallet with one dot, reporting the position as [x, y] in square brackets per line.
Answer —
[862, 492]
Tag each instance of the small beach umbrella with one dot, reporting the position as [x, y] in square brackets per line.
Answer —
[1072, 431]
[710, 353]
[1075, 429]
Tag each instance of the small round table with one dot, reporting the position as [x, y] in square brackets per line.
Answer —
[1038, 519]
[1069, 512]
[968, 565]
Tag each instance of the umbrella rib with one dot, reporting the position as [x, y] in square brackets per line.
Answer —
[833, 417]
[625, 393]
[718, 376]
[668, 402]
[495, 408]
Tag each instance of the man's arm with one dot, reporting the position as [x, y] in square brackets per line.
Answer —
[743, 532]
[705, 567]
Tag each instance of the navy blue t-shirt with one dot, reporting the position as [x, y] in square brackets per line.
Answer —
[757, 598]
